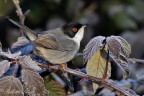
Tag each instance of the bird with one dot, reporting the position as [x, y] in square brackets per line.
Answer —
[57, 46]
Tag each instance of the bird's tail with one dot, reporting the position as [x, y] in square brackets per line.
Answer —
[30, 34]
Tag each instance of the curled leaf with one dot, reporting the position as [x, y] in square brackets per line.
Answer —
[120, 51]
[97, 66]
[114, 46]
[4, 66]
[11, 86]
[126, 48]
[27, 62]
[33, 83]
[92, 47]
[54, 88]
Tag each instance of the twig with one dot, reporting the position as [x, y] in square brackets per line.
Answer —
[99, 81]
[133, 60]
[20, 14]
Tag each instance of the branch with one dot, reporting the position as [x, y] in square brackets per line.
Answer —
[133, 60]
[20, 14]
[99, 81]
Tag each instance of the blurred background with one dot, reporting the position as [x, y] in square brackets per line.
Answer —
[105, 17]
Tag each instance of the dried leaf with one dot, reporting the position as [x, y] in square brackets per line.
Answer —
[92, 47]
[4, 66]
[27, 62]
[96, 66]
[20, 42]
[33, 83]
[126, 48]
[114, 46]
[54, 88]
[11, 86]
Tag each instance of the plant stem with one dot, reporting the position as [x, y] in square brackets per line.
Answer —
[99, 81]
[134, 60]
[20, 14]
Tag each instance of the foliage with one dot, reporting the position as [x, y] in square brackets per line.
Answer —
[29, 75]
[116, 47]
[54, 88]
[97, 54]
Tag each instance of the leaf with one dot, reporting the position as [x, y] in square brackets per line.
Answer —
[27, 62]
[123, 65]
[22, 45]
[38, 59]
[96, 66]
[11, 86]
[54, 88]
[92, 47]
[20, 42]
[4, 66]
[126, 48]
[9, 55]
[114, 46]
[25, 49]
[120, 50]
[33, 83]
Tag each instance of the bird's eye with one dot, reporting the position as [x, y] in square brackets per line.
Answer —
[74, 29]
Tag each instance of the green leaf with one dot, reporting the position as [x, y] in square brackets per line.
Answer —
[96, 66]
[54, 88]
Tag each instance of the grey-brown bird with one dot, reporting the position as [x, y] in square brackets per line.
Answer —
[56, 46]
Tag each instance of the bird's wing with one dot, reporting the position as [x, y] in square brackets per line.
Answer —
[47, 41]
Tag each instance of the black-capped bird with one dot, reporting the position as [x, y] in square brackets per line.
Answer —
[56, 46]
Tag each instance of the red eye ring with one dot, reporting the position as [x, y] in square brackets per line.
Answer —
[74, 29]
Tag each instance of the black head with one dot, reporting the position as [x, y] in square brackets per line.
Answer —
[71, 29]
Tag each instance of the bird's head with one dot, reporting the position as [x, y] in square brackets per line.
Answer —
[74, 30]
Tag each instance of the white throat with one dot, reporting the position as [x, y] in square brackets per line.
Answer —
[79, 35]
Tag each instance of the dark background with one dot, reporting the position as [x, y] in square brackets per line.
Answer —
[106, 17]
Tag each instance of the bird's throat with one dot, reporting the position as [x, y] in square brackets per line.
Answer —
[79, 35]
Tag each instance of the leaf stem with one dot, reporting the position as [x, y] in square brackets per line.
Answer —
[106, 68]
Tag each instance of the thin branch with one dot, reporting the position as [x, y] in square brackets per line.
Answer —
[20, 14]
[133, 60]
[99, 81]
